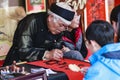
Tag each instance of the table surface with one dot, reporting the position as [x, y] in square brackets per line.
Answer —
[58, 76]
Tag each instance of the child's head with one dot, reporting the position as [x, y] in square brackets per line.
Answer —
[101, 32]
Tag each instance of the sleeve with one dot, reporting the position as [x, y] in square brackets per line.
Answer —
[95, 72]
[26, 49]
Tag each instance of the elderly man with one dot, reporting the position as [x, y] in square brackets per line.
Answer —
[36, 31]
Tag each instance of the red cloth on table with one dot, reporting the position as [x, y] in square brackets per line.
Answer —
[63, 66]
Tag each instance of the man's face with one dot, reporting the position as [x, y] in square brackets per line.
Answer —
[56, 26]
[75, 22]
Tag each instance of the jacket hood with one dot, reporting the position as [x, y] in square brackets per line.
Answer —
[111, 63]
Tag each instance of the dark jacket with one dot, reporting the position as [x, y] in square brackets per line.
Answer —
[30, 38]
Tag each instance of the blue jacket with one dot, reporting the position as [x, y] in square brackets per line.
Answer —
[105, 64]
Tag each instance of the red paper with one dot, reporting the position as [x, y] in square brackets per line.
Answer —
[63, 66]
[95, 10]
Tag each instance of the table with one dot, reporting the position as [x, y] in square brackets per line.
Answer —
[58, 76]
[61, 68]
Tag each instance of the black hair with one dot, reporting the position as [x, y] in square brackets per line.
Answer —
[114, 14]
[101, 31]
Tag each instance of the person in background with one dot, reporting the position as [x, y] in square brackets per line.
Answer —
[74, 45]
[118, 32]
[36, 35]
[105, 60]
[114, 20]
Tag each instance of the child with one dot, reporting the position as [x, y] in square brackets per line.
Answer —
[105, 60]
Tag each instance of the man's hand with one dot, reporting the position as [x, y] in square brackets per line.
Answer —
[55, 54]
[65, 49]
